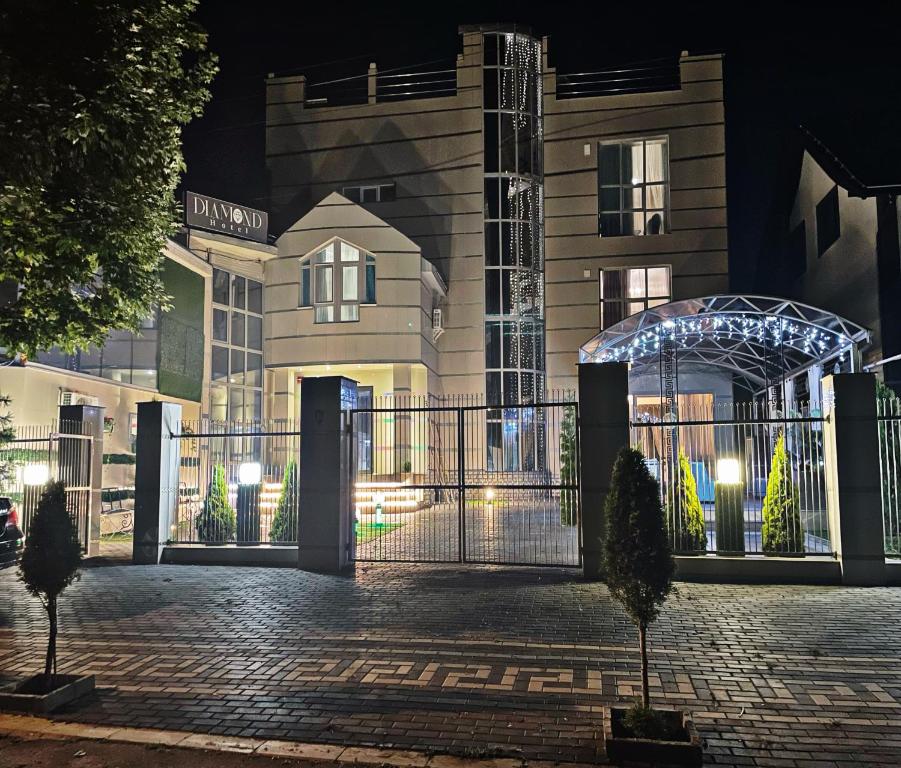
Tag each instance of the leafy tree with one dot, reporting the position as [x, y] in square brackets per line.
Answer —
[638, 559]
[90, 155]
[217, 520]
[687, 518]
[284, 521]
[781, 529]
[890, 459]
[568, 472]
[50, 561]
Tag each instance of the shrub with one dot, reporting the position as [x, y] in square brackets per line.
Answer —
[638, 558]
[568, 473]
[781, 530]
[217, 520]
[687, 519]
[50, 562]
[284, 521]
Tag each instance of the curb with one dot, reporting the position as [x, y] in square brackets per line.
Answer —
[22, 725]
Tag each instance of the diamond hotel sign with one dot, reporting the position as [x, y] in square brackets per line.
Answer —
[215, 215]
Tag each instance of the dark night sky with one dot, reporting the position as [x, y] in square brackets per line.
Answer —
[835, 70]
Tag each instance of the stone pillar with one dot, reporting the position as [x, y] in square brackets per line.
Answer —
[71, 469]
[372, 83]
[603, 431]
[853, 484]
[403, 422]
[325, 517]
[156, 479]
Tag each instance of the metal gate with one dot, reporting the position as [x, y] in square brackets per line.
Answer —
[59, 451]
[467, 482]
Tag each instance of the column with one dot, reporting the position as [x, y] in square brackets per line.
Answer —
[853, 485]
[403, 438]
[72, 469]
[372, 83]
[603, 431]
[156, 479]
[325, 517]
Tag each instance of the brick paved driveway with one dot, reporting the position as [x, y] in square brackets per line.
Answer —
[473, 660]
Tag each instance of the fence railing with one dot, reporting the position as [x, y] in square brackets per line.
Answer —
[60, 450]
[888, 415]
[641, 77]
[237, 483]
[736, 478]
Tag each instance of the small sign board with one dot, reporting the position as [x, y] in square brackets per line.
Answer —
[214, 215]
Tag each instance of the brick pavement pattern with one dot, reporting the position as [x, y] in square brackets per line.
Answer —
[476, 661]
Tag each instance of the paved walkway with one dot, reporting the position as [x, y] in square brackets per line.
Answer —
[475, 661]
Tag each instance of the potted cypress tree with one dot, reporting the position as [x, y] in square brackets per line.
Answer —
[639, 568]
[48, 565]
[284, 521]
[217, 520]
[781, 531]
[690, 535]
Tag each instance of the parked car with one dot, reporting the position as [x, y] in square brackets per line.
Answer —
[11, 536]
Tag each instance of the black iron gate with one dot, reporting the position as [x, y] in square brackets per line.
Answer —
[467, 482]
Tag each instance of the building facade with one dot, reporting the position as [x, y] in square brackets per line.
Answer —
[843, 252]
[549, 206]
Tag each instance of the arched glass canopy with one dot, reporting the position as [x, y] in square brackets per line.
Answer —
[763, 340]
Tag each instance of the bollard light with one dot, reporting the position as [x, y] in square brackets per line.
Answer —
[379, 500]
[728, 471]
[489, 497]
[250, 473]
[35, 474]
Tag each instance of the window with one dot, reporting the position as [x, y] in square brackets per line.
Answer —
[325, 285]
[237, 372]
[623, 292]
[376, 193]
[828, 226]
[633, 187]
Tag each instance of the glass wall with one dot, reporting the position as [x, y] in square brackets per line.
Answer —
[236, 389]
[514, 246]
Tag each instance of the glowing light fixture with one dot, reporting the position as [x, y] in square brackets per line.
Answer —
[250, 473]
[35, 474]
[728, 471]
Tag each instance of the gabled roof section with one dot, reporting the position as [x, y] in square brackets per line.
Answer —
[842, 173]
[336, 216]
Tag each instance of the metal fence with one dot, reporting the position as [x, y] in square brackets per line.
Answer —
[58, 451]
[456, 480]
[737, 479]
[888, 415]
[237, 483]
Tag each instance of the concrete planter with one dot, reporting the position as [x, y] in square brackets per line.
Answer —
[623, 748]
[19, 697]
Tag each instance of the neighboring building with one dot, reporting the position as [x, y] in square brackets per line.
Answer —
[550, 205]
[843, 252]
[165, 359]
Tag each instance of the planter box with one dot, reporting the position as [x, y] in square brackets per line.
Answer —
[622, 748]
[18, 698]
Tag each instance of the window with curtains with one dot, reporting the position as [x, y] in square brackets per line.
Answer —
[336, 280]
[624, 292]
[633, 187]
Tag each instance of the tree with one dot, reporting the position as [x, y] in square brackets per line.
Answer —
[781, 531]
[50, 561]
[638, 558]
[568, 474]
[7, 435]
[689, 533]
[217, 520]
[90, 156]
[284, 521]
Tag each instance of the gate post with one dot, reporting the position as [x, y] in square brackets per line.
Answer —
[603, 431]
[92, 416]
[853, 481]
[325, 532]
[156, 479]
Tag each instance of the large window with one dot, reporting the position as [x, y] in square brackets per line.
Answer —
[623, 292]
[236, 391]
[828, 225]
[375, 193]
[633, 187]
[336, 280]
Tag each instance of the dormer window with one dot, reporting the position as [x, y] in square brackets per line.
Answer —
[336, 280]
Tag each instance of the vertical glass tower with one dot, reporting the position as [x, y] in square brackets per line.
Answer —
[514, 246]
